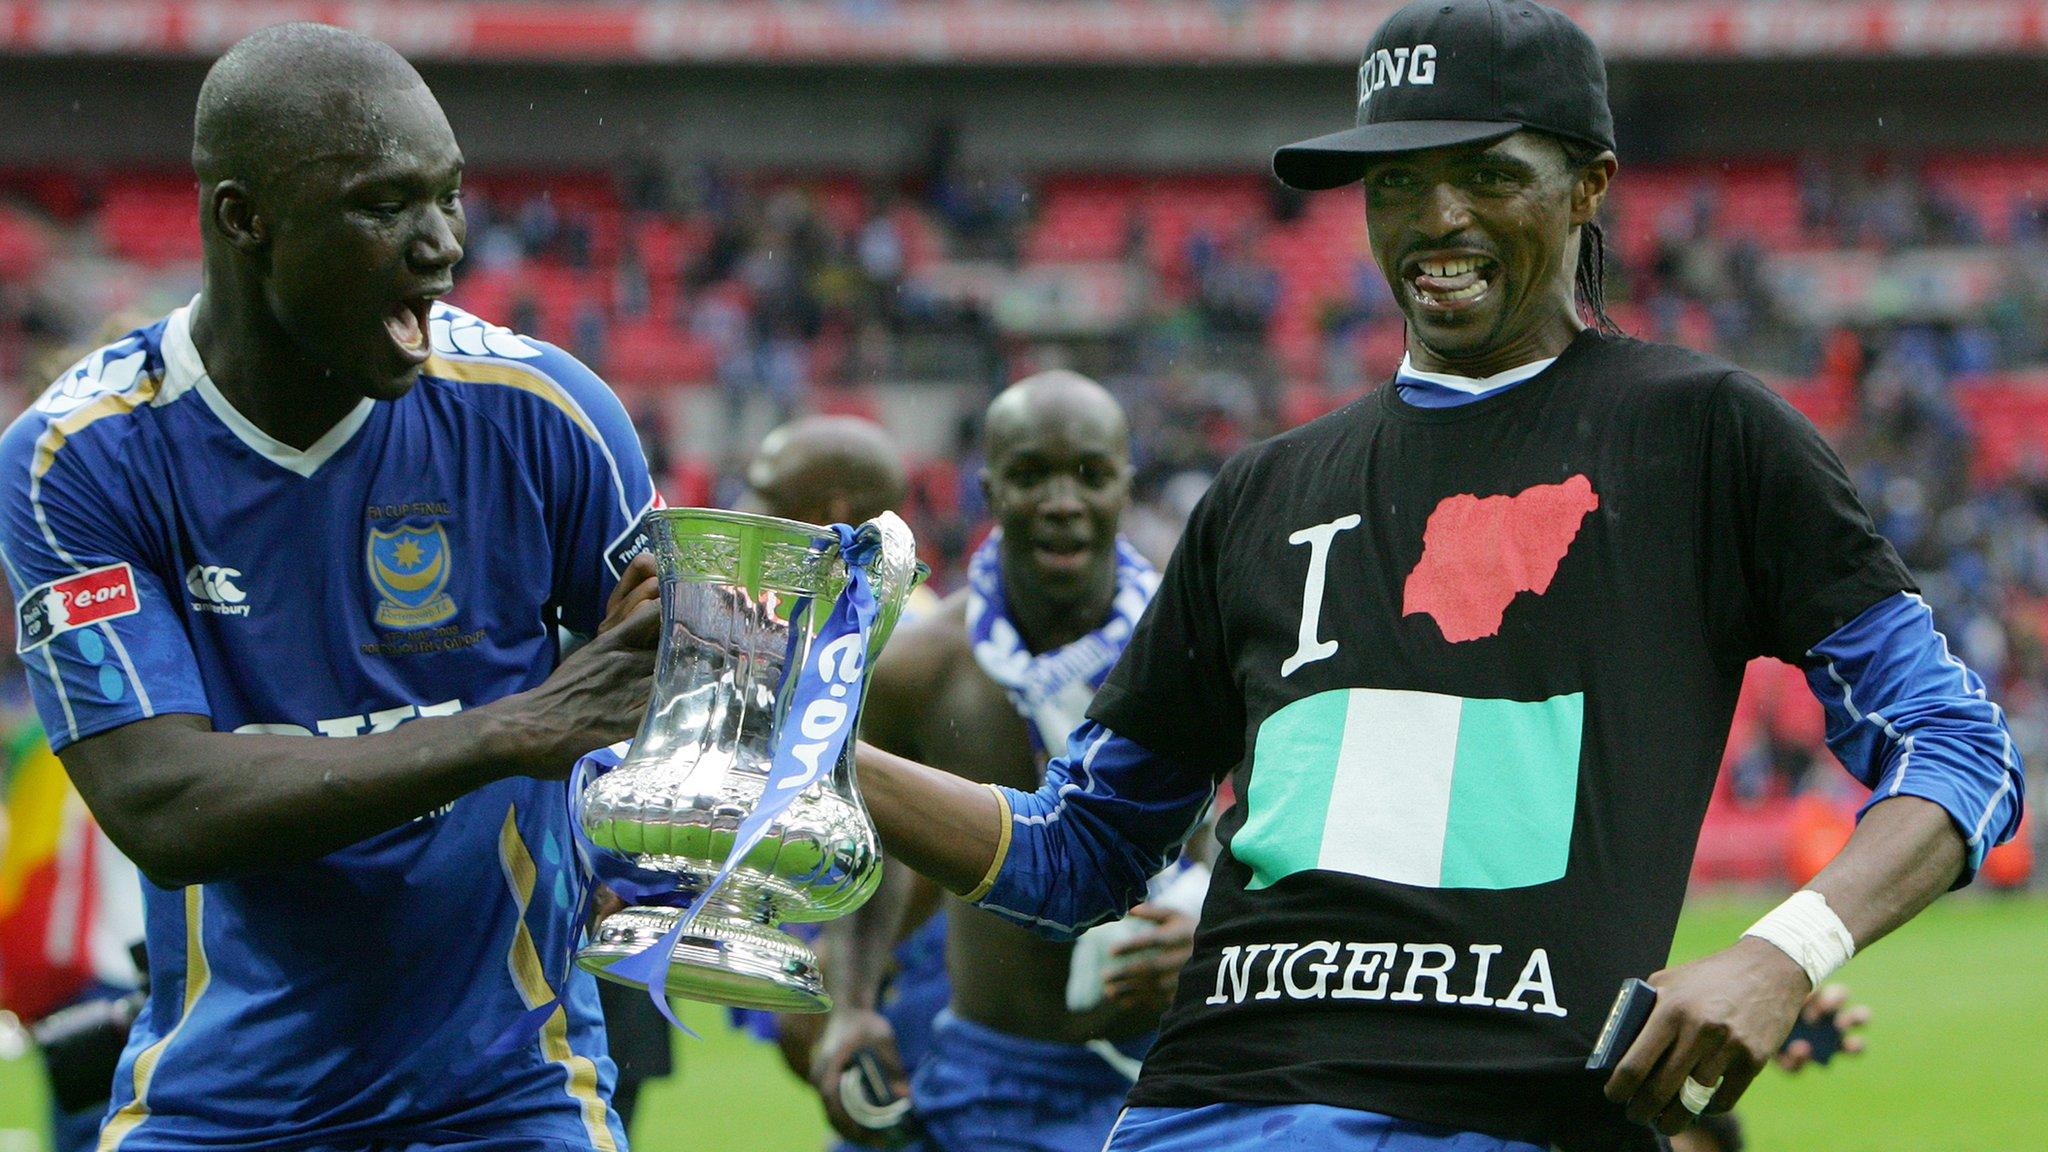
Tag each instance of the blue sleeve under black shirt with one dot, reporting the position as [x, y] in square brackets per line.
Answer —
[1472, 670]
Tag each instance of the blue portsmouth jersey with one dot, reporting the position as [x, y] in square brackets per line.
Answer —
[169, 557]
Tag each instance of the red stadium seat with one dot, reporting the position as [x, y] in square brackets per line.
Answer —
[23, 245]
[151, 220]
[1082, 218]
[689, 483]
[60, 193]
[485, 292]
[651, 351]
[1746, 843]
[2008, 416]
[861, 402]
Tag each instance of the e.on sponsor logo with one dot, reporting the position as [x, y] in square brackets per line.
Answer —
[50, 610]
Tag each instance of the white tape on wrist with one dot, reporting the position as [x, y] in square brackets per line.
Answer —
[1808, 931]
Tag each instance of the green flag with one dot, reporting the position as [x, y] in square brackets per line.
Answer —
[1414, 788]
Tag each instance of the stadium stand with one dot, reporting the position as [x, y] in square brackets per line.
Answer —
[1228, 308]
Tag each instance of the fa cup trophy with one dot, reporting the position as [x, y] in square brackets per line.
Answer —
[736, 804]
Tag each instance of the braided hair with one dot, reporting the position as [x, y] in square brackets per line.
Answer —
[1589, 282]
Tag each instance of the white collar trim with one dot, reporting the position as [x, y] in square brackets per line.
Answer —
[1467, 384]
[184, 370]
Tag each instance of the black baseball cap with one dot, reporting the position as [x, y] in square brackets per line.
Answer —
[1446, 72]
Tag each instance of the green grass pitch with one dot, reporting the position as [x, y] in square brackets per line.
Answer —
[1955, 1063]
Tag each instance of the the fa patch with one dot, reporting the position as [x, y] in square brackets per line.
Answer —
[632, 542]
[409, 568]
[50, 610]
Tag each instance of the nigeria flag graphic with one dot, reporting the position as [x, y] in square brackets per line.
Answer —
[1414, 787]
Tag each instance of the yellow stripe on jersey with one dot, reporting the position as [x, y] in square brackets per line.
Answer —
[995, 866]
[511, 376]
[71, 424]
[523, 962]
[198, 974]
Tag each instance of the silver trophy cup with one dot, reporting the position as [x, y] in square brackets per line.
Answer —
[743, 598]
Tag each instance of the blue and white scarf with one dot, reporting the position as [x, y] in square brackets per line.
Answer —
[1051, 690]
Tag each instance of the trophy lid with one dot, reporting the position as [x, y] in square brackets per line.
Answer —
[743, 549]
[768, 553]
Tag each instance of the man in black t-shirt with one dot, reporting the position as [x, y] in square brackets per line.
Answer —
[1468, 649]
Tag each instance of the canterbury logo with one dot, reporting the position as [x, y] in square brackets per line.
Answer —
[214, 584]
[1393, 67]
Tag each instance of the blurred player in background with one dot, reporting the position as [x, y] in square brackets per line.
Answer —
[826, 470]
[1471, 646]
[843, 469]
[318, 504]
[985, 685]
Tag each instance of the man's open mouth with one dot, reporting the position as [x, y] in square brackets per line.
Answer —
[406, 323]
[1453, 282]
[1061, 554]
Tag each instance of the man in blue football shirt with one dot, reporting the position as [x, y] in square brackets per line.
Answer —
[317, 503]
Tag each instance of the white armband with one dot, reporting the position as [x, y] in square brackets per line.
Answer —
[1808, 931]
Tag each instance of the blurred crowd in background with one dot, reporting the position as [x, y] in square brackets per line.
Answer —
[1897, 303]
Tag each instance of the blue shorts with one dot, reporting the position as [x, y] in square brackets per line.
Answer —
[915, 996]
[458, 1142]
[981, 1090]
[1263, 1127]
[919, 990]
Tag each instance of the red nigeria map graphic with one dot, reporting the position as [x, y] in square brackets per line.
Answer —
[1478, 553]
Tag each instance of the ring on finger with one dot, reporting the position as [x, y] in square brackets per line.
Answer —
[1694, 1096]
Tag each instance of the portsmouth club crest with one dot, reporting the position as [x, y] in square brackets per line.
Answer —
[409, 568]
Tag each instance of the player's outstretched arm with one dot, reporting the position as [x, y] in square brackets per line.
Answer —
[948, 828]
[191, 805]
[1074, 853]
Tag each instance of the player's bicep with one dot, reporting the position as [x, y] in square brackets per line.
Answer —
[129, 774]
[1109, 816]
[1906, 717]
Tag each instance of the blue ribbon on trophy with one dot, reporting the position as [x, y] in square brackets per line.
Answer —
[823, 705]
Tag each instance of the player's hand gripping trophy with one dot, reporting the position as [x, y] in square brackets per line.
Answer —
[736, 808]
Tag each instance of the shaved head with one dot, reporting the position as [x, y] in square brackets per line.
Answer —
[291, 94]
[1057, 478]
[825, 469]
[1022, 410]
[331, 219]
